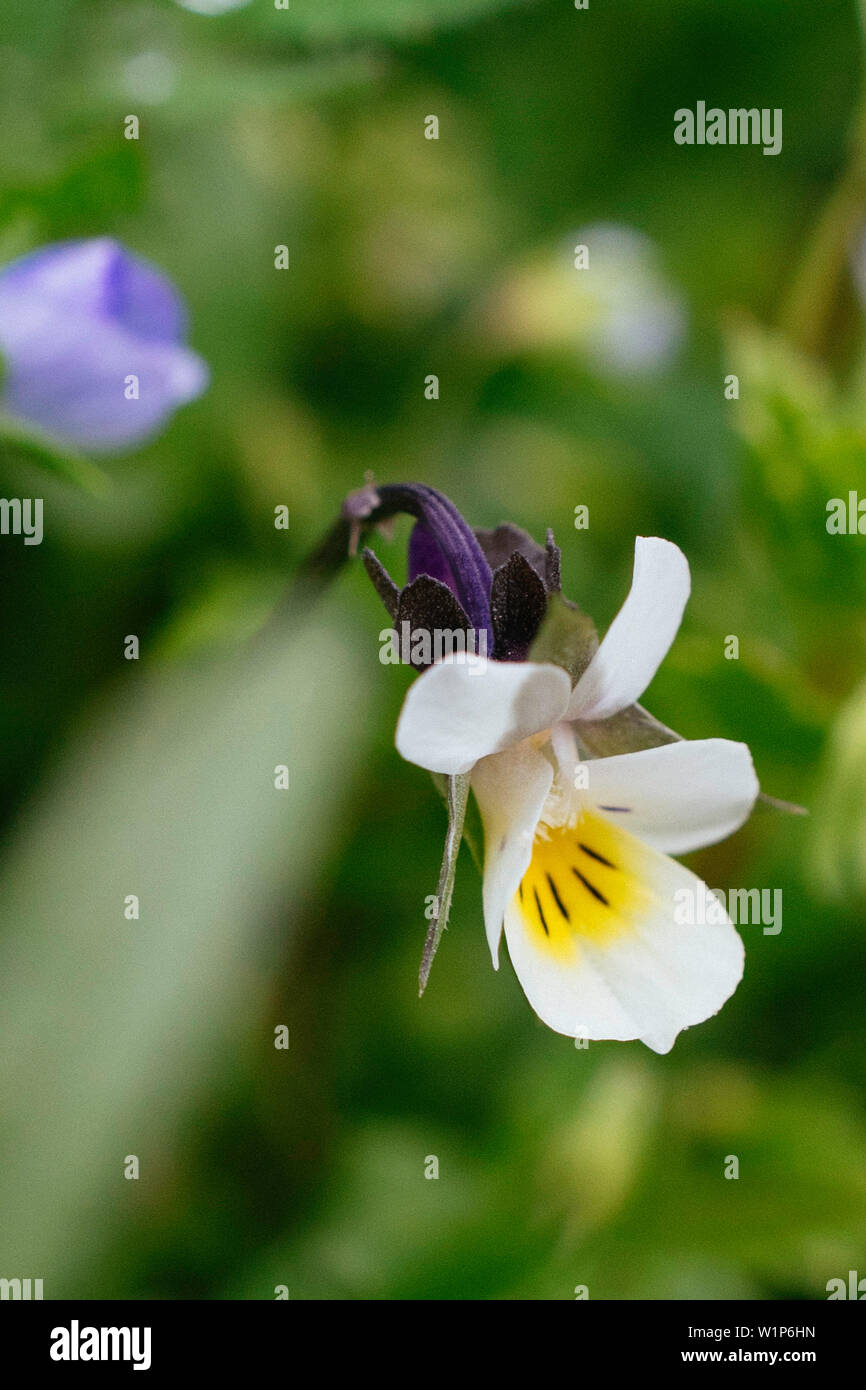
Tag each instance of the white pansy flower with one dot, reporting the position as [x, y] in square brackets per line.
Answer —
[577, 868]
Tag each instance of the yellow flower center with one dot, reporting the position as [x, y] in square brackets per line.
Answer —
[586, 881]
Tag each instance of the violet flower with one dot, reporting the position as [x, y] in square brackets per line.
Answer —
[92, 341]
[578, 870]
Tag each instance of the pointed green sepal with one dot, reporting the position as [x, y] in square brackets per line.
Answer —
[457, 795]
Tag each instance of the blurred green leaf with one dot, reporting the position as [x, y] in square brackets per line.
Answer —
[112, 1026]
[807, 443]
[838, 846]
[29, 442]
[98, 186]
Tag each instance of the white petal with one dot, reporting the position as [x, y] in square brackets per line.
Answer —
[640, 635]
[459, 711]
[677, 797]
[620, 966]
[510, 789]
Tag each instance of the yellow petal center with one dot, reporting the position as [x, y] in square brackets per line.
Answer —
[585, 882]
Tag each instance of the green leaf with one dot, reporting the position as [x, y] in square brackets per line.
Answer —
[567, 638]
[112, 1028]
[31, 443]
[457, 797]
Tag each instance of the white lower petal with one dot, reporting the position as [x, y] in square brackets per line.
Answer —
[678, 797]
[596, 943]
[640, 635]
[460, 711]
[510, 789]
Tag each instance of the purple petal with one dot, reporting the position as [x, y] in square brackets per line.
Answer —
[455, 540]
[74, 384]
[97, 277]
[144, 301]
[76, 321]
[425, 557]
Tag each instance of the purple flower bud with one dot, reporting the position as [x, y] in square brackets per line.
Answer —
[425, 557]
[443, 545]
[494, 582]
[92, 342]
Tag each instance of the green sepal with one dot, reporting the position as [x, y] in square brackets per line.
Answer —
[456, 798]
[630, 731]
[473, 830]
[635, 729]
[567, 638]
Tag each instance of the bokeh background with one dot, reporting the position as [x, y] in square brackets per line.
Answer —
[305, 1167]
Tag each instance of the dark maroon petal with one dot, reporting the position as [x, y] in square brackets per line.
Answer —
[429, 605]
[499, 546]
[518, 603]
[552, 565]
[382, 581]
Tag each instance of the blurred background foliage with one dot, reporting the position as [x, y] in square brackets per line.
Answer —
[558, 1167]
